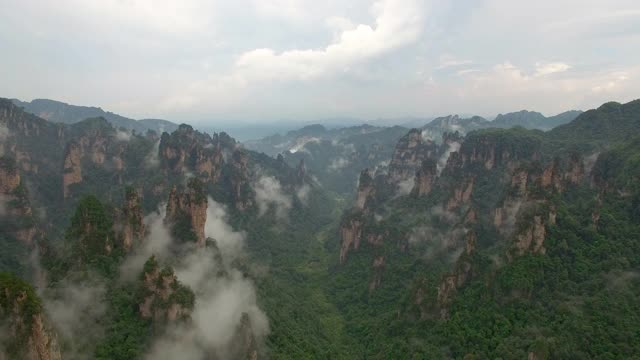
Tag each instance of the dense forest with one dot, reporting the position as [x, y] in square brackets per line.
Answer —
[506, 242]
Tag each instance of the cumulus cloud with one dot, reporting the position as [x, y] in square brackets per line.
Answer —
[269, 194]
[397, 23]
[543, 69]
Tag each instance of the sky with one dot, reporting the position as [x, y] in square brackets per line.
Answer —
[267, 60]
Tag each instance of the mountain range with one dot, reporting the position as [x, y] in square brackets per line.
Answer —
[460, 238]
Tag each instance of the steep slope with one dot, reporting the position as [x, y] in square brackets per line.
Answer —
[504, 253]
[27, 333]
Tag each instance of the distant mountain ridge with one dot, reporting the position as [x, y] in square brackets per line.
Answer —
[60, 112]
[534, 120]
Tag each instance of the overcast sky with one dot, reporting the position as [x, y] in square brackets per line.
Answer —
[216, 60]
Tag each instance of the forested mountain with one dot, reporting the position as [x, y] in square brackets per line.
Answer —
[454, 240]
[336, 156]
[59, 112]
[534, 120]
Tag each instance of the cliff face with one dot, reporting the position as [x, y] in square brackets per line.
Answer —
[239, 180]
[188, 207]
[410, 152]
[164, 298]
[130, 221]
[72, 168]
[189, 150]
[16, 215]
[244, 345]
[366, 189]
[30, 336]
[350, 234]
[425, 178]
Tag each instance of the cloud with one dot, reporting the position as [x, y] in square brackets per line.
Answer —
[447, 61]
[405, 186]
[303, 193]
[269, 193]
[75, 309]
[152, 159]
[338, 163]
[229, 241]
[544, 69]
[123, 135]
[442, 161]
[397, 24]
[223, 296]
[156, 243]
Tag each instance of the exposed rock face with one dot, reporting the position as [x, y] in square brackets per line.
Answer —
[30, 336]
[189, 205]
[378, 268]
[301, 173]
[244, 344]
[351, 234]
[366, 189]
[15, 209]
[131, 221]
[425, 178]
[552, 176]
[240, 180]
[165, 298]
[410, 152]
[490, 151]
[9, 176]
[532, 239]
[575, 171]
[189, 150]
[72, 170]
[461, 194]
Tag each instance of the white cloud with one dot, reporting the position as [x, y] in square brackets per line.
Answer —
[397, 23]
[543, 69]
[269, 193]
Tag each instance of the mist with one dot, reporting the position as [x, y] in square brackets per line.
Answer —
[269, 194]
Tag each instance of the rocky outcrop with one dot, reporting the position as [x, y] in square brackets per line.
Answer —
[16, 215]
[425, 178]
[244, 345]
[532, 231]
[350, 235]
[187, 150]
[164, 298]
[366, 189]
[188, 206]
[29, 334]
[411, 150]
[240, 180]
[130, 221]
[72, 169]
[461, 194]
